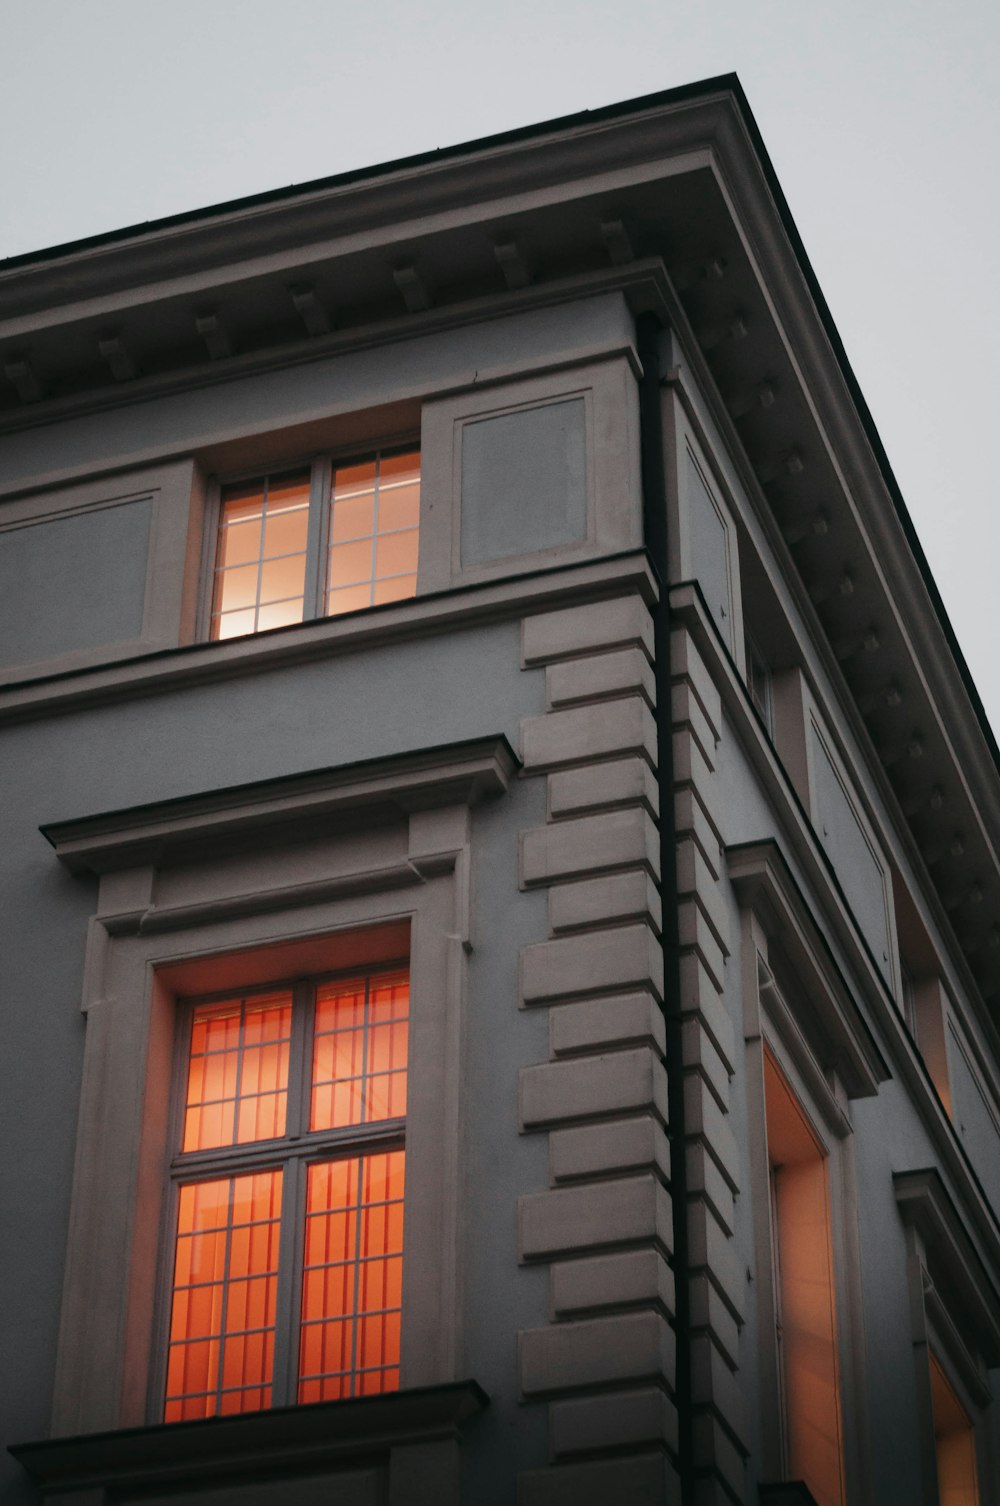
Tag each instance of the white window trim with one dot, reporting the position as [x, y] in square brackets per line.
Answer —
[824, 1068]
[937, 1238]
[235, 896]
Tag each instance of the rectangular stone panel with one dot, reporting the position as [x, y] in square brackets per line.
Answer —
[622, 781]
[602, 901]
[595, 1024]
[612, 1419]
[600, 677]
[524, 481]
[75, 582]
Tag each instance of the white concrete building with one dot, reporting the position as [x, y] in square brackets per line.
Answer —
[500, 859]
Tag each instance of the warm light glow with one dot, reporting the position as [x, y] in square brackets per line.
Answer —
[954, 1444]
[359, 1055]
[237, 1085]
[225, 1292]
[300, 1073]
[261, 562]
[806, 1319]
[374, 532]
[352, 1282]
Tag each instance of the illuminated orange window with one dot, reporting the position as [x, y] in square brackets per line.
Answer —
[374, 516]
[805, 1307]
[954, 1443]
[325, 539]
[289, 1197]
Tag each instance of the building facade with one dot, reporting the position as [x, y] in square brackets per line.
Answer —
[500, 859]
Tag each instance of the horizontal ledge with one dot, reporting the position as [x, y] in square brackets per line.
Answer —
[457, 774]
[163, 670]
[250, 1442]
[764, 883]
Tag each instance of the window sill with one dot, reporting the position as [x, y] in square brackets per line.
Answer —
[318, 1439]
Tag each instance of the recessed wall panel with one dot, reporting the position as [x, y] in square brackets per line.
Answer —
[74, 582]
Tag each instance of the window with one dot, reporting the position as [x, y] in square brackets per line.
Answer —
[804, 1316]
[315, 541]
[286, 1270]
[759, 684]
[954, 1443]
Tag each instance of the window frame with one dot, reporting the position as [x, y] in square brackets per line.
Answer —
[223, 895]
[292, 1153]
[321, 466]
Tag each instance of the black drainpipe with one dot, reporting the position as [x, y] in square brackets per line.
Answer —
[655, 530]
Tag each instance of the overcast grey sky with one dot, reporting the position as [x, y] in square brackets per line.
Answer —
[882, 118]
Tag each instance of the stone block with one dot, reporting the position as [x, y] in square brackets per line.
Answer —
[710, 1314]
[700, 1055]
[573, 682]
[705, 1180]
[687, 664]
[627, 1278]
[712, 1253]
[716, 1387]
[694, 878]
[582, 733]
[620, 958]
[596, 1024]
[578, 1355]
[600, 1150]
[622, 781]
[706, 1122]
[593, 1215]
[714, 1450]
[612, 1419]
[589, 844]
[692, 819]
[614, 897]
[688, 716]
[588, 1087]
[697, 936]
[569, 632]
[691, 768]
[701, 998]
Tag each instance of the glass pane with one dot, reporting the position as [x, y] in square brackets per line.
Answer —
[286, 532]
[349, 480]
[282, 578]
[242, 501]
[224, 1298]
[236, 1091]
[394, 470]
[396, 589]
[234, 624]
[360, 1050]
[350, 564]
[284, 492]
[353, 518]
[239, 543]
[396, 553]
[236, 588]
[279, 614]
[398, 507]
[352, 1278]
[350, 600]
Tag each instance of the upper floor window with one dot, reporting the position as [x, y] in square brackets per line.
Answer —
[315, 541]
[288, 1197]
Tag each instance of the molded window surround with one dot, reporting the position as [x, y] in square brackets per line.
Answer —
[955, 1313]
[310, 874]
[313, 541]
[808, 1054]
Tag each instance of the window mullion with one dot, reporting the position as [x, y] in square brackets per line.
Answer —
[286, 1333]
[314, 603]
